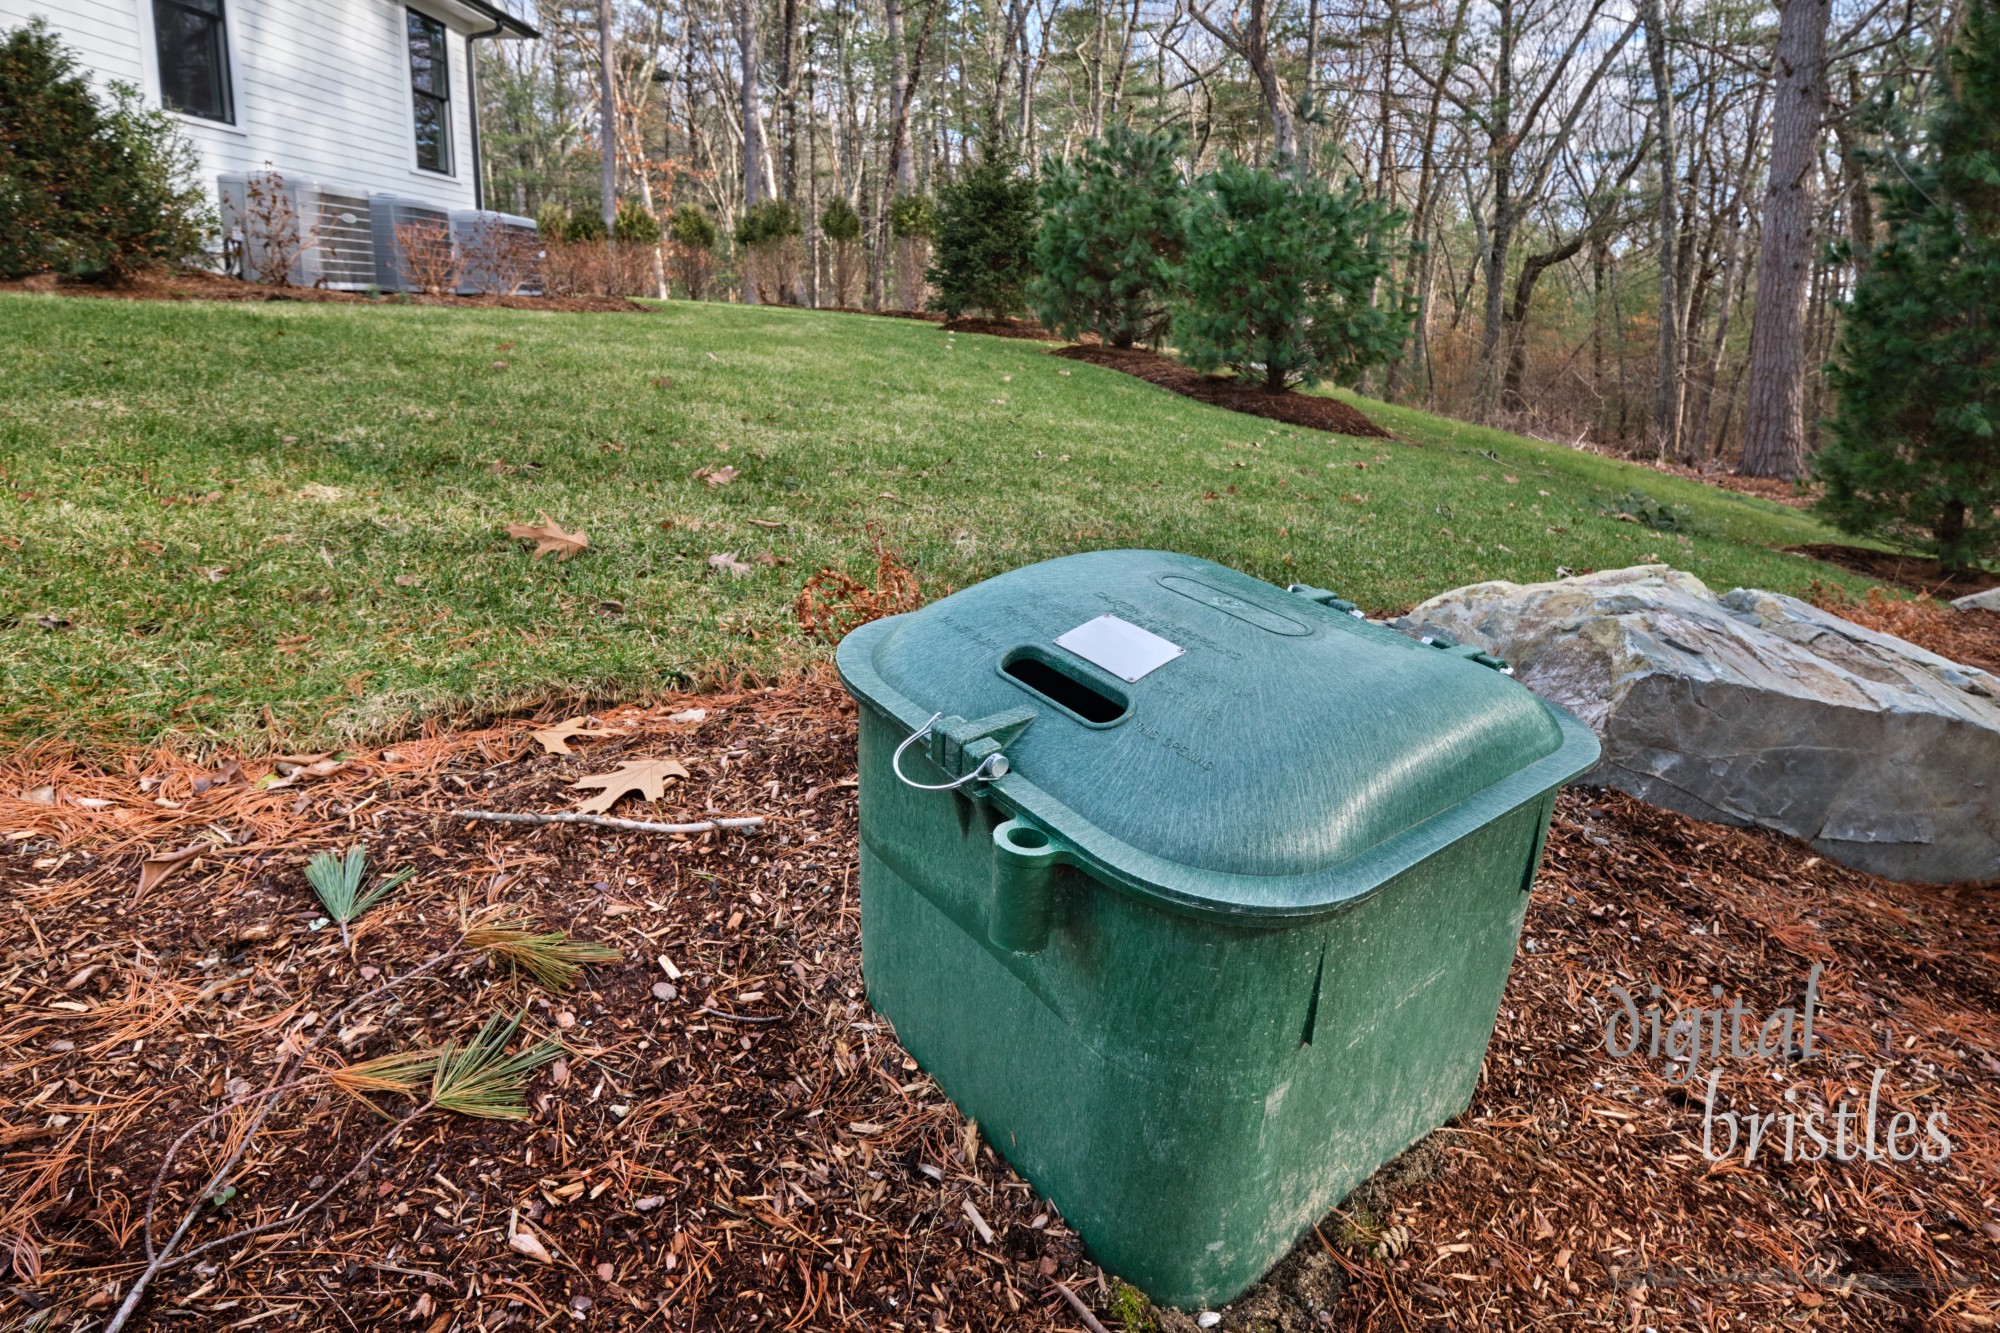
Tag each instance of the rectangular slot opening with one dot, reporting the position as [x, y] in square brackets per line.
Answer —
[1083, 699]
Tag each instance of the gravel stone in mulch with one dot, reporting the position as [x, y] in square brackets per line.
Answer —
[691, 1170]
[1294, 409]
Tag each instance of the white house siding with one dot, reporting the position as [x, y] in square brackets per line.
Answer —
[321, 90]
[103, 34]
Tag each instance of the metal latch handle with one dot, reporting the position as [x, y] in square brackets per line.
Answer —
[991, 767]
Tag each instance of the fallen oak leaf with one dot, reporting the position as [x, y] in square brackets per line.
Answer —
[648, 777]
[554, 739]
[549, 536]
[154, 870]
[227, 772]
[725, 562]
[716, 476]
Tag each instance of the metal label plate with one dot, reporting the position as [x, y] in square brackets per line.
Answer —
[1120, 647]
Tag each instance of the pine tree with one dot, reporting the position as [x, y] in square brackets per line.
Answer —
[691, 254]
[1287, 281]
[768, 233]
[1114, 227]
[634, 225]
[691, 226]
[91, 188]
[841, 226]
[985, 238]
[1912, 454]
[839, 222]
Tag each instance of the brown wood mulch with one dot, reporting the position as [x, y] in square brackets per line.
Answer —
[1791, 494]
[1001, 328]
[734, 1140]
[927, 316]
[199, 285]
[1971, 637]
[1917, 573]
[1294, 409]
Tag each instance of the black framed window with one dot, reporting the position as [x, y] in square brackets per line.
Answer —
[430, 85]
[194, 58]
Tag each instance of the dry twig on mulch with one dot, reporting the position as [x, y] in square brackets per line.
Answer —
[733, 1139]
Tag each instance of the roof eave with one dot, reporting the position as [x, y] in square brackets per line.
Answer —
[509, 23]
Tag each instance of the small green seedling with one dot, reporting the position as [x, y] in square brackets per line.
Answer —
[337, 881]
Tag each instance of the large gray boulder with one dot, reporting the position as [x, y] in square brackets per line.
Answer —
[1979, 601]
[1754, 708]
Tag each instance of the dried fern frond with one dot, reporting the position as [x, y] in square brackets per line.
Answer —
[403, 1072]
[551, 956]
[337, 881]
[481, 1079]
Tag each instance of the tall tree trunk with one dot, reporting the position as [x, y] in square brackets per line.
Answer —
[1502, 145]
[788, 92]
[812, 176]
[1667, 392]
[658, 259]
[607, 120]
[1116, 102]
[1423, 269]
[1251, 43]
[749, 43]
[1516, 339]
[901, 177]
[1704, 395]
[1734, 278]
[1860, 188]
[1097, 69]
[1774, 431]
[1600, 259]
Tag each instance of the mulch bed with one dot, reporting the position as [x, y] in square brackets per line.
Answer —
[1001, 328]
[199, 285]
[735, 1141]
[927, 316]
[998, 328]
[1917, 573]
[1294, 409]
[1791, 494]
[1971, 637]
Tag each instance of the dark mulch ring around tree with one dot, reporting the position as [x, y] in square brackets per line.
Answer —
[201, 285]
[1915, 572]
[733, 1140]
[1294, 409]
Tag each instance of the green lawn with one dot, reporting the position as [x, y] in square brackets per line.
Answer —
[282, 524]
